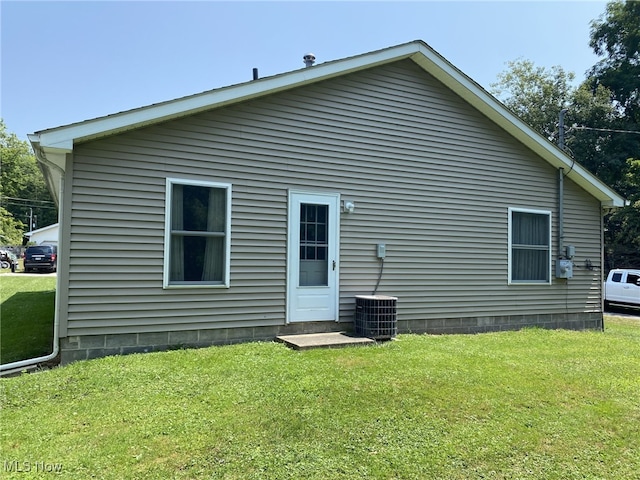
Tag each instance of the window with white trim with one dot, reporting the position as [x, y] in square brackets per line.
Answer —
[197, 233]
[529, 246]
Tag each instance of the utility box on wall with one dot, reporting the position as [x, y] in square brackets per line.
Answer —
[564, 268]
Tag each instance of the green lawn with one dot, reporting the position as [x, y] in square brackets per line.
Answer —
[532, 404]
[26, 316]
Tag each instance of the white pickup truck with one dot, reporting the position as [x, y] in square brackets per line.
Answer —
[622, 287]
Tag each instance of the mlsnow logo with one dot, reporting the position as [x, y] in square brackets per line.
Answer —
[27, 466]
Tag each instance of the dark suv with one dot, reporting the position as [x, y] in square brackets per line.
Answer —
[41, 257]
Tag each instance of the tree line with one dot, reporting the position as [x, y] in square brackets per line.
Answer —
[601, 117]
[25, 201]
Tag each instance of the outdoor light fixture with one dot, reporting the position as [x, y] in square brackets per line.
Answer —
[349, 206]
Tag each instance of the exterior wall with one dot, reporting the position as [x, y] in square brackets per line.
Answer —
[429, 175]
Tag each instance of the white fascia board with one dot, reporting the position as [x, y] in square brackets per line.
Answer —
[53, 157]
[488, 105]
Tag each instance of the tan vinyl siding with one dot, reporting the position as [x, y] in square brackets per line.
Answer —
[430, 176]
[581, 216]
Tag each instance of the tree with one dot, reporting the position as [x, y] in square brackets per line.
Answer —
[22, 188]
[11, 230]
[602, 117]
[535, 94]
[594, 148]
[616, 35]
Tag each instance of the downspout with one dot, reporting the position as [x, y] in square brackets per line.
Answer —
[602, 268]
[561, 252]
[16, 367]
[560, 212]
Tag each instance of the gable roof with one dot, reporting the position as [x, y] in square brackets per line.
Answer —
[51, 146]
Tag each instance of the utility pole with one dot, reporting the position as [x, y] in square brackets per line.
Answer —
[561, 128]
[32, 220]
[561, 253]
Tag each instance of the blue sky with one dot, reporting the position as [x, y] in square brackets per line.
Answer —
[64, 62]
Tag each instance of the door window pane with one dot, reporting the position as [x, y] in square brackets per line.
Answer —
[313, 245]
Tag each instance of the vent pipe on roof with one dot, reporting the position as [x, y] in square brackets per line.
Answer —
[309, 59]
[255, 74]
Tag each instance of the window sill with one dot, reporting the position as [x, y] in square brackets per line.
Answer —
[182, 286]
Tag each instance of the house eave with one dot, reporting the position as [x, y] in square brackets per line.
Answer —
[52, 161]
[51, 145]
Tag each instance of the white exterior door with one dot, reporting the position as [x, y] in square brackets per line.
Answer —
[312, 264]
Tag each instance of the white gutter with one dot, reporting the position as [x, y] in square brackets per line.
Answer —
[52, 164]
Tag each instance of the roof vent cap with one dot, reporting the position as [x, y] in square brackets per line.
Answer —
[309, 59]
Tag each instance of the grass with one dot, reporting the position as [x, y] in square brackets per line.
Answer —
[528, 404]
[26, 316]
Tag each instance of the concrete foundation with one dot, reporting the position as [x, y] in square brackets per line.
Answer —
[86, 347]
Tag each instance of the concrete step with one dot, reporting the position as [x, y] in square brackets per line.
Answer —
[323, 340]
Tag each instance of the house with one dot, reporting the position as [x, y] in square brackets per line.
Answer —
[45, 235]
[256, 210]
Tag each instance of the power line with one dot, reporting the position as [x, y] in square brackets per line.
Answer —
[27, 205]
[613, 130]
[26, 199]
